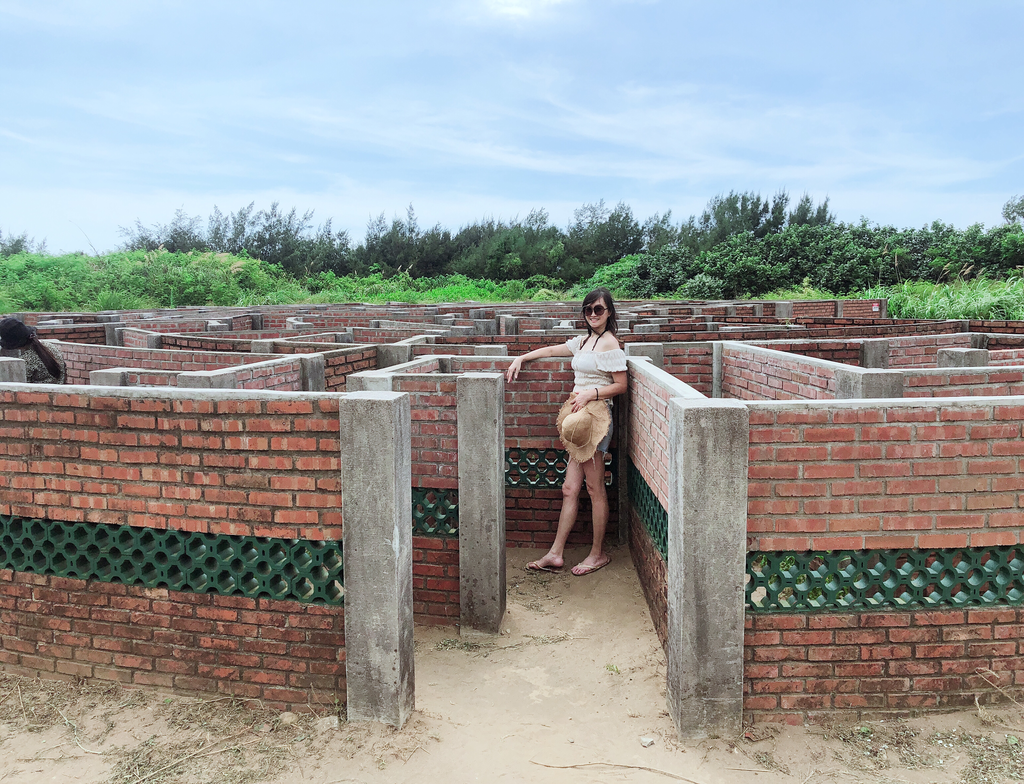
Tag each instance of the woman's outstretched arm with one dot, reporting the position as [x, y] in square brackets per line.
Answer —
[561, 350]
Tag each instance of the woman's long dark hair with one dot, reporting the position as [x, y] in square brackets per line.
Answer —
[15, 334]
[612, 325]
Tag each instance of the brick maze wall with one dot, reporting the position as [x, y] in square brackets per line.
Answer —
[880, 663]
[229, 465]
[82, 359]
[748, 375]
[259, 467]
[964, 382]
[286, 654]
[866, 477]
[691, 364]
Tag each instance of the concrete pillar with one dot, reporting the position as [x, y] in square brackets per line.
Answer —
[485, 326]
[783, 310]
[481, 419]
[857, 384]
[261, 347]
[376, 478]
[369, 381]
[508, 325]
[154, 340]
[110, 377]
[979, 340]
[646, 329]
[961, 357]
[716, 369]
[653, 351]
[313, 367]
[490, 351]
[13, 371]
[874, 353]
[389, 354]
[206, 379]
[257, 321]
[839, 308]
[707, 545]
[111, 333]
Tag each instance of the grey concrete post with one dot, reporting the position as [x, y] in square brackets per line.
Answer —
[13, 371]
[485, 326]
[110, 377]
[206, 379]
[839, 308]
[154, 340]
[961, 357]
[481, 428]
[716, 369]
[783, 310]
[653, 351]
[313, 368]
[111, 333]
[389, 354]
[257, 321]
[874, 353]
[376, 479]
[490, 351]
[646, 329]
[979, 340]
[707, 545]
[368, 381]
[856, 384]
[508, 325]
[261, 347]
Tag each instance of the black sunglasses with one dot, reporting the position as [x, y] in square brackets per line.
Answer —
[594, 310]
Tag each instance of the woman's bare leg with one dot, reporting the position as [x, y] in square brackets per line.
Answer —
[566, 518]
[594, 471]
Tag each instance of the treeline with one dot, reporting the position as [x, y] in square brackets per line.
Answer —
[517, 249]
[740, 245]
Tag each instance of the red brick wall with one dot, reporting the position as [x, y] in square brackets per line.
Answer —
[81, 359]
[648, 432]
[862, 308]
[922, 351]
[339, 363]
[852, 477]
[285, 653]
[75, 333]
[161, 459]
[878, 663]
[810, 308]
[691, 364]
[756, 375]
[1011, 356]
[963, 382]
[435, 580]
[652, 572]
[435, 442]
[844, 351]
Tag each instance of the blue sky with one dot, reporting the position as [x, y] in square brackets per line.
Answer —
[902, 112]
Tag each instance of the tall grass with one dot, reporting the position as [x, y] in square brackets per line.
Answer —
[978, 298]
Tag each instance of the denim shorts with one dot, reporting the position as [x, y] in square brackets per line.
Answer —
[607, 440]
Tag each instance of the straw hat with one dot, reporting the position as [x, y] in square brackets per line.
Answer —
[583, 431]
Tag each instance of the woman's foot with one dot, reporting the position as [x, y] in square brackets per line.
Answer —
[591, 564]
[549, 563]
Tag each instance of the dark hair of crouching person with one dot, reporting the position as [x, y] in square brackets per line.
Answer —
[44, 364]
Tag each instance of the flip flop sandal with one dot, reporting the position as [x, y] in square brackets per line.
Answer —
[533, 566]
[588, 569]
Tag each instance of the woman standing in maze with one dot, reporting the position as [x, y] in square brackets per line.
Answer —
[585, 425]
[44, 363]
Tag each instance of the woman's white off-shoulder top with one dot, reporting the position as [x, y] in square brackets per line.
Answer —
[594, 368]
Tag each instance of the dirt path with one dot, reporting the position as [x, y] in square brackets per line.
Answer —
[576, 679]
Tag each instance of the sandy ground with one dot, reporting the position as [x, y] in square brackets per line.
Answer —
[571, 691]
